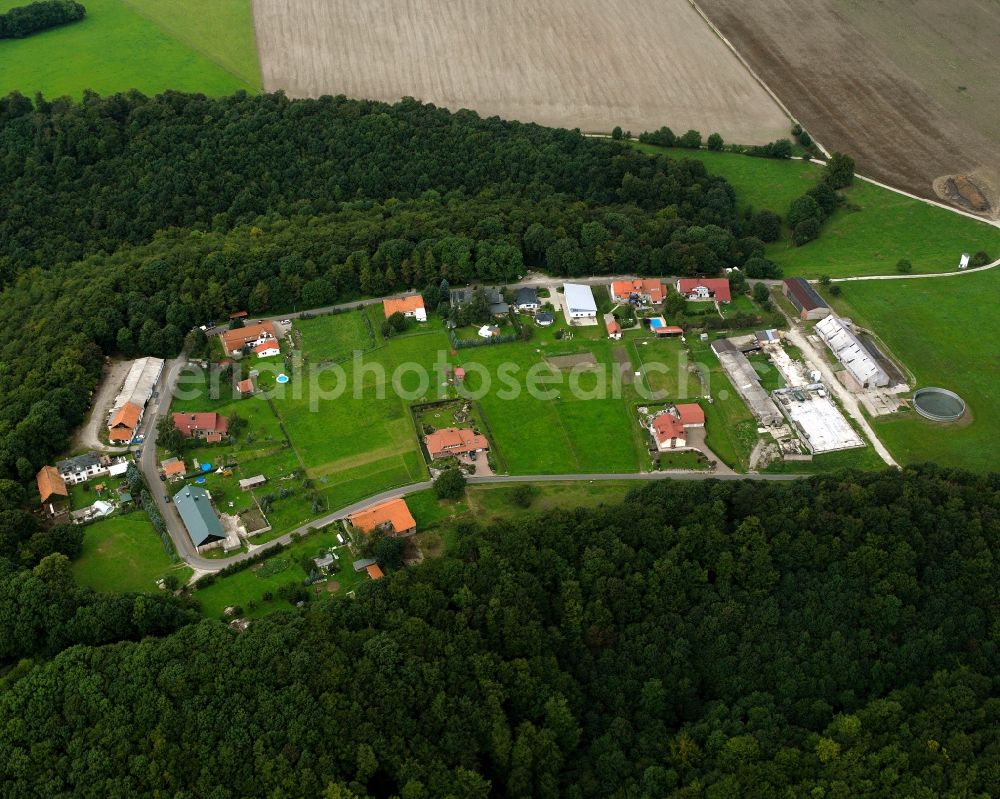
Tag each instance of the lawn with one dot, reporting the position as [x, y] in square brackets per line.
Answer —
[867, 236]
[556, 429]
[664, 366]
[334, 337]
[186, 45]
[925, 325]
[124, 553]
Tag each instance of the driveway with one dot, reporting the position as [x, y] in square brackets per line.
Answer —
[849, 402]
[87, 437]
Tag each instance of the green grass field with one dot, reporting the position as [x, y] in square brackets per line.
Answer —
[930, 326]
[867, 236]
[124, 553]
[334, 337]
[186, 45]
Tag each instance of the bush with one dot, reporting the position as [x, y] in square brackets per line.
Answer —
[981, 258]
[766, 225]
[450, 484]
[664, 137]
[807, 230]
[835, 290]
[761, 293]
[825, 197]
[690, 140]
[803, 208]
[523, 495]
[762, 269]
[616, 134]
[903, 266]
[839, 171]
[715, 142]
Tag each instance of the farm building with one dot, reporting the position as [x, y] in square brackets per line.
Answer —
[252, 482]
[852, 352]
[746, 382]
[139, 383]
[207, 425]
[194, 504]
[818, 422]
[233, 341]
[579, 302]
[526, 300]
[706, 288]
[614, 329]
[411, 306]
[52, 490]
[805, 299]
[647, 291]
[392, 516]
[454, 441]
[363, 563]
[124, 423]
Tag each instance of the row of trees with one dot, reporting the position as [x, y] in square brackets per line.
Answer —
[21, 21]
[829, 637]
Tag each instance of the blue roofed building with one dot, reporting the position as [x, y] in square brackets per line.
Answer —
[194, 504]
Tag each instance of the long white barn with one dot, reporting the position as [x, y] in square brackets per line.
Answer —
[852, 352]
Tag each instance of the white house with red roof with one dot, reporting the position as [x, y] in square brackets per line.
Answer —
[669, 427]
[267, 348]
[705, 288]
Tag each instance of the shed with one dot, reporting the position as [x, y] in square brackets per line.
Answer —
[194, 504]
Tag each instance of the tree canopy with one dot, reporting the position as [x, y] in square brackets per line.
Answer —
[829, 637]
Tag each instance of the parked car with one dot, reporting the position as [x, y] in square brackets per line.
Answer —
[472, 456]
[166, 497]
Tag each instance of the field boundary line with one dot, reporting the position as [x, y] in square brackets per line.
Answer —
[198, 49]
[751, 70]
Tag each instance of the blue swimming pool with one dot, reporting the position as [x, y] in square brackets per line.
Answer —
[281, 378]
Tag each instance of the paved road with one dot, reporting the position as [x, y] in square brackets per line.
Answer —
[201, 564]
[955, 273]
[150, 469]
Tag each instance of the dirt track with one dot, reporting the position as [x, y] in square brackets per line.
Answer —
[571, 63]
[905, 86]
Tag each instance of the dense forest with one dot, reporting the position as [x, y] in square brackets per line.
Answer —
[130, 220]
[21, 21]
[835, 637]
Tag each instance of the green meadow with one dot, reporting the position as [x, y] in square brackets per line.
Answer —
[927, 325]
[124, 553]
[867, 235]
[185, 45]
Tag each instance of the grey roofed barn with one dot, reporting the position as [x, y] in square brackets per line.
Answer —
[195, 508]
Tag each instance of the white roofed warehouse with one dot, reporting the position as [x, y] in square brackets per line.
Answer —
[852, 352]
[579, 304]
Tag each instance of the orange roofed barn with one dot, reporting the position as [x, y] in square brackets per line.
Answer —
[413, 305]
[647, 290]
[454, 441]
[123, 424]
[394, 516]
[52, 489]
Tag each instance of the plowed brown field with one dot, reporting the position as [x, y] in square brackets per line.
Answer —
[908, 87]
[571, 63]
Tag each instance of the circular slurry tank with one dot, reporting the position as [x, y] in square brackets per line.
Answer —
[938, 404]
